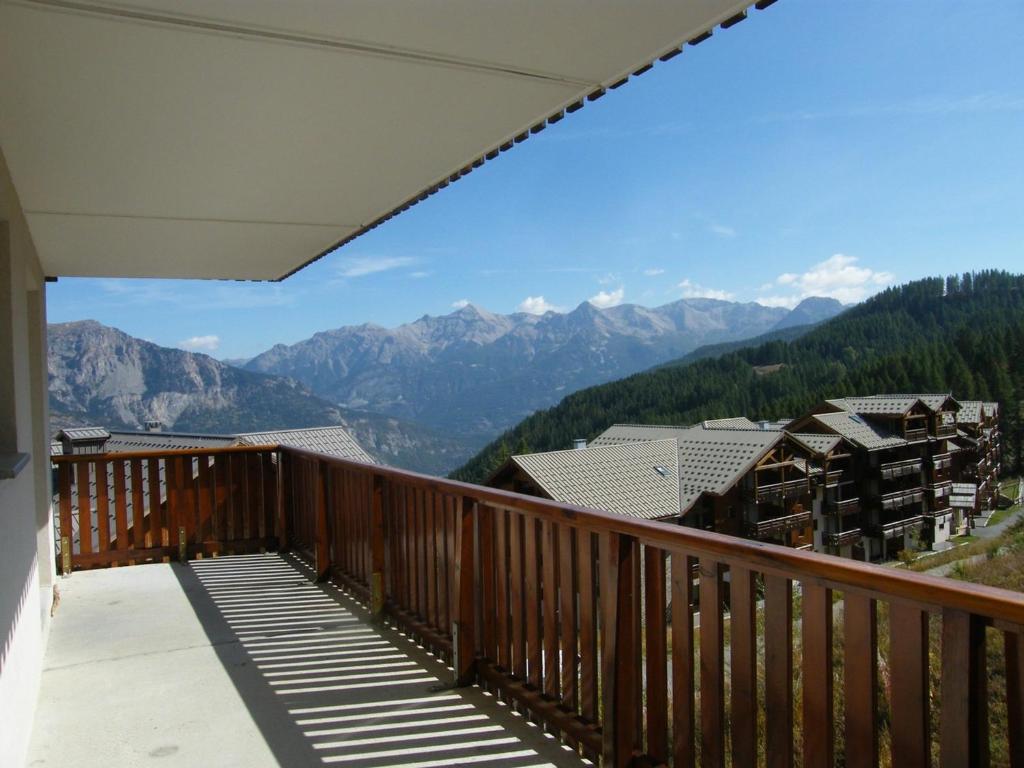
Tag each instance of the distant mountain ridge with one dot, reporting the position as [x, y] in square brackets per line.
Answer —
[100, 375]
[475, 372]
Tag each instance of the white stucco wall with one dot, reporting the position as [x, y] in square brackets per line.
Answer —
[26, 549]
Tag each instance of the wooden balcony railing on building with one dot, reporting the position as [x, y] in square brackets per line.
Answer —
[835, 477]
[903, 498]
[942, 461]
[842, 507]
[891, 528]
[915, 434]
[843, 538]
[894, 469]
[776, 491]
[778, 526]
[541, 603]
[945, 430]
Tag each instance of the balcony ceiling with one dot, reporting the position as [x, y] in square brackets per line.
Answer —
[230, 139]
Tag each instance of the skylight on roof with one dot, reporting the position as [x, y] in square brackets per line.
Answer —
[661, 470]
[858, 419]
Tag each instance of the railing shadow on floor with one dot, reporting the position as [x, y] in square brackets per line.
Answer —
[326, 686]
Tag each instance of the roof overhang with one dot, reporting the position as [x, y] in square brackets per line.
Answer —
[226, 139]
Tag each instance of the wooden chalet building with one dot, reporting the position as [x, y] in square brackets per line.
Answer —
[978, 459]
[902, 470]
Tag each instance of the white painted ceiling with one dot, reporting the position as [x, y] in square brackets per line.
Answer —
[244, 138]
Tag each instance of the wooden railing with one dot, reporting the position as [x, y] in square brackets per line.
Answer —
[842, 507]
[584, 621]
[779, 525]
[775, 491]
[893, 469]
[122, 508]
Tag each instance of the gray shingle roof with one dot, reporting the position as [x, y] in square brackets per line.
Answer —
[817, 443]
[124, 441]
[876, 406]
[624, 479]
[933, 401]
[83, 433]
[970, 412]
[858, 431]
[736, 422]
[636, 433]
[991, 409]
[333, 441]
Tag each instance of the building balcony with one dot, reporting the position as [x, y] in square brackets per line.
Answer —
[945, 430]
[915, 434]
[842, 508]
[894, 469]
[903, 498]
[790, 489]
[843, 538]
[536, 602]
[778, 526]
[941, 461]
[893, 528]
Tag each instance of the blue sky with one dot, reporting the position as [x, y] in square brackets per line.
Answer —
[819, 148]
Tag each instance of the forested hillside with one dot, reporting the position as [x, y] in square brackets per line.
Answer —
[962, 334]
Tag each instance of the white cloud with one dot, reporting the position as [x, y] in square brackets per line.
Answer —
[692, 290]
[420, 275]
[838, 277]
[654, 272]
[723, 231]
[605, 299]
[608, 279]
[201, 343]
[460, 304]
[537, 305]
[359, 266]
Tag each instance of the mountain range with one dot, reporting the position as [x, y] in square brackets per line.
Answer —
[100, 375]
[475, 373]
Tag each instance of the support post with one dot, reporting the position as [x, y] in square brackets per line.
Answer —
[620, 736]
[463, 634]
[284, 499]
[322, 550]
[377, 549]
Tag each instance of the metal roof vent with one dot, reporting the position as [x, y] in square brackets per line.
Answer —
[661, 470]
[579, 444]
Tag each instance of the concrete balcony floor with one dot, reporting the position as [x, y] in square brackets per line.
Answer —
[243, 661]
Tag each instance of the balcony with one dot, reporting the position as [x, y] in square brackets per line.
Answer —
[942, 461]
[945, 430]
[778, 526]
[898, 499]
[894, 528]
[916, 434]
[538, 603]
[778, 491]
[893, 469]
[843, 507]
[836, 477]
[843, 538]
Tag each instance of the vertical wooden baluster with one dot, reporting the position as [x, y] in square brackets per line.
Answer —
[549, 597]
[221, 511]
[120, 505]
[254, 496]
[285, 498]
[860, 629]
[503, 648]
[102, 505]
[684, 732]
[619, 679]
[444, 537]
[1013, 648]
[430, 557]
[157, 517]
[138, 505]
[816, 632]
[204, 533]
[190, 512]
[84, 506]
[516, 596]
[908, 664]
[488, 572]
[66, 531]
[567, 568]
[656, 654]
[463, 631]
[531, 602]
[416, 554]
[377, 547]
[778, 664]
[322, 535]
[964, 730]
[712, 665]
[743, 642]
[269, 471]
[588, 626]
